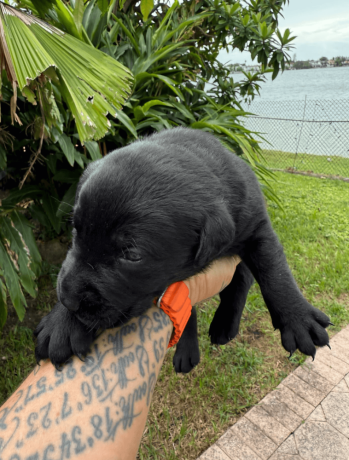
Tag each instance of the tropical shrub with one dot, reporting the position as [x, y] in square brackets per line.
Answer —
[171, 51]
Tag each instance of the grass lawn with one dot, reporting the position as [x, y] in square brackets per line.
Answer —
[189, 412]
[318, 164]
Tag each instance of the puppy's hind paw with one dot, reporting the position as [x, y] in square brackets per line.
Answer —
[221, 335]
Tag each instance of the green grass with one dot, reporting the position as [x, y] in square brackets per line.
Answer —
[189, 412]
[16, 359]
[318, 164]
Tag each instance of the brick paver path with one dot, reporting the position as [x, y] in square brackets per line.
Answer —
[305, 418]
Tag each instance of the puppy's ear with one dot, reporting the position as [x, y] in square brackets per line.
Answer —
[216, 236]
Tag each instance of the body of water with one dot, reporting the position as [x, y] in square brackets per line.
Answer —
[316, 84]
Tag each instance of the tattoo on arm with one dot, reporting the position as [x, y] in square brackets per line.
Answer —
[106, 388]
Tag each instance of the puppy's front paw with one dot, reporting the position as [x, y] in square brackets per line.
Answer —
[60, 335]
[305, 331]
[187, 356]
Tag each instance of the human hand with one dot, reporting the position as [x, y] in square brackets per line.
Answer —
[213, 280]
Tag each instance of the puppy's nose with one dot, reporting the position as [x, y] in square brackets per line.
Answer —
[67, 297]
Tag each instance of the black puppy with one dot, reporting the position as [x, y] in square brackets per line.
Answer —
[159, 211]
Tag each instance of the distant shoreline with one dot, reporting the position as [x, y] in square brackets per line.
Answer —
[306, 68]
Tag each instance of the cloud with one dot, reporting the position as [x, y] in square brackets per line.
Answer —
[323, 36]
[334, 29]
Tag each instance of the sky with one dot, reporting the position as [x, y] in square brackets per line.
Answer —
[321, 27]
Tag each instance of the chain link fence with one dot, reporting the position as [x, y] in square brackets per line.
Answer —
[305, 135]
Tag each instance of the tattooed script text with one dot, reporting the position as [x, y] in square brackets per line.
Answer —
[99, 394]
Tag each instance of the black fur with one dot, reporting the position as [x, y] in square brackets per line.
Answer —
[158, 211]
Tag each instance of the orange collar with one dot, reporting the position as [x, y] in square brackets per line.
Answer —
[176, 304]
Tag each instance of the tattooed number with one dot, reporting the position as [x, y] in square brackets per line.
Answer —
[30, 421]
[159, 349]
[79, 447]
[46, 422]
[86, 391]
[41, 385]
[95, 385]
[96, 421]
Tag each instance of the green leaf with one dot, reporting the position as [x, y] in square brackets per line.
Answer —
[19, 251]
[67, 147]
[67, 203]
[184, 111]
[150, 104]
[125, 120]
[146, 7]
[7, 266]
[79, 158]
[25, 229]
[88, 19]
[138, 113]
[15, 196]
[3, 304]
[168, 81]
[128, 33]
[50, 205]
[165, 21]
[3, 157]
[78, 14]
[245, 20]
[93, 150]
[280, 56]
[29, 94]
[103, 5]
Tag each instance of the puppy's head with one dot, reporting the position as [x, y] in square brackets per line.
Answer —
[137, 229]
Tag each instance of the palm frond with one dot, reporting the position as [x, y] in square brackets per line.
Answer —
[34, 53]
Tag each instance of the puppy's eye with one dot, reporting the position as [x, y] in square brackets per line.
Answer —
[131, 254]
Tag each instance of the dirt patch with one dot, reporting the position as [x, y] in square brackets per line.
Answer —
[344, 299]
[312, 174]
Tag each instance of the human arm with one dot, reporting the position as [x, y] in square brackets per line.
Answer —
[97, 407]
